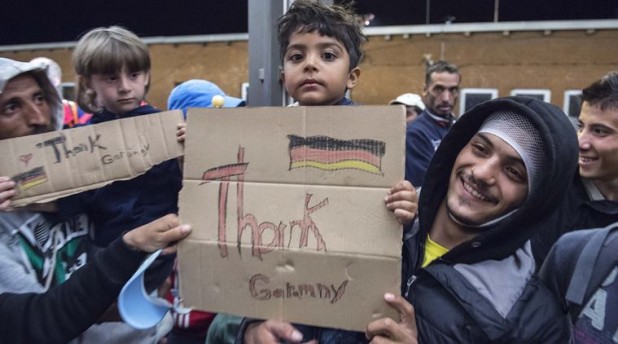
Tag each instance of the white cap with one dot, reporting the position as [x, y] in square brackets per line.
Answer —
[409, 99]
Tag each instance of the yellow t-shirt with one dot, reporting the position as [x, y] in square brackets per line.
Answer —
[433, 251]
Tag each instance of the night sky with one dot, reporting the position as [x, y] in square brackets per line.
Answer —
[40, 21]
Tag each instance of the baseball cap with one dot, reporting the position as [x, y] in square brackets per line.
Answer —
[199, 93]
[409, 99]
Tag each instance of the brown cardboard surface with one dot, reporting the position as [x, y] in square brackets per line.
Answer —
[288, 215]
[56, 164]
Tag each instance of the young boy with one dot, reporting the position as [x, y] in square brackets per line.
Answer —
[321, 47]
[113, 69]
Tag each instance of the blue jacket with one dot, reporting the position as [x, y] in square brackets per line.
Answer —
[422, 139]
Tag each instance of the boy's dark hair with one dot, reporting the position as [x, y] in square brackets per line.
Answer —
[440, 67]
[338, 21]
[603, 93]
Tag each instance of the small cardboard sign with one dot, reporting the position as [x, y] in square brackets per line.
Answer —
[60, 163]
[288, 214]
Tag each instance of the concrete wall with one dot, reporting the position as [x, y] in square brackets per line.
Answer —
[558, 61]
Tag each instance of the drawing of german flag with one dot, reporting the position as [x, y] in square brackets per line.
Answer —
[29, 179]
[327, 153]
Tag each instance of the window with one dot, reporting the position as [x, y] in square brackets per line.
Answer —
[572, 105]
[540, 94]
[470, 97]
[67, 90]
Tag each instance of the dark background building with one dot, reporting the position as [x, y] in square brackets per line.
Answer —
[32, 21]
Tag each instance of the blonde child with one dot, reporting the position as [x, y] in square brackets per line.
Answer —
[113, 72]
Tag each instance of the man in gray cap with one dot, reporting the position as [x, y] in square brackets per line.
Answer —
[38, 249]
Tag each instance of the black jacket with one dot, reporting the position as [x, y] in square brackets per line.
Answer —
[67, 310]
[126, 204]
[484, 290]
[576, 211]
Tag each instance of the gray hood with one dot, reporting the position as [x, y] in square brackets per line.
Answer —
[11, 68]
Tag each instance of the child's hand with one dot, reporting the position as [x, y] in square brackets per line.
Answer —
[7, 191]
[181, 132]
[161, 233]
[402, 200]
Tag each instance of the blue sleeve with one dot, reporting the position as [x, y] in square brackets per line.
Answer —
[419, 151]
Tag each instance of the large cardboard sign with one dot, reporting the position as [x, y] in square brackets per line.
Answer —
[56, 164]
[288, 214]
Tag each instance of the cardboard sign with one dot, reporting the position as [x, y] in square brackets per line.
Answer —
[60, 163]
[288, 214]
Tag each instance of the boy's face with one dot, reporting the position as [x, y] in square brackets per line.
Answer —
[120, 92]
[316, 69]
[598, 143]
[487, 181]
[24, 109]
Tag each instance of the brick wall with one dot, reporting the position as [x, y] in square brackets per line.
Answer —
[393, 65]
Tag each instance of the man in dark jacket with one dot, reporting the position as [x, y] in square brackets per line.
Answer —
[423, 136]
[468, 266]
[592, 200]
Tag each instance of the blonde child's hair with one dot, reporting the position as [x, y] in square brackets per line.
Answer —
[105, 50]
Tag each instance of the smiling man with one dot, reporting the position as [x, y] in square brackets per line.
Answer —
[468, 267]
[592, 200]
[468, 273]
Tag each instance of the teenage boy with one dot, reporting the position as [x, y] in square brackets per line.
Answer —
[592, 200]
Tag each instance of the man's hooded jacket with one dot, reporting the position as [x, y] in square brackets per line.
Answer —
[484, 290]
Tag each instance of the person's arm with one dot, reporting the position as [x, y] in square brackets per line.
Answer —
[419, 151]
[67, 310]
[386, 330]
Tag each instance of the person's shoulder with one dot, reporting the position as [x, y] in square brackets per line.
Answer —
[576, 238]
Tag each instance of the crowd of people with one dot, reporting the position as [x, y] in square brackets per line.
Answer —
[508, 212]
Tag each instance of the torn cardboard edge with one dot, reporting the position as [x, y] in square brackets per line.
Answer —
[60, 163]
